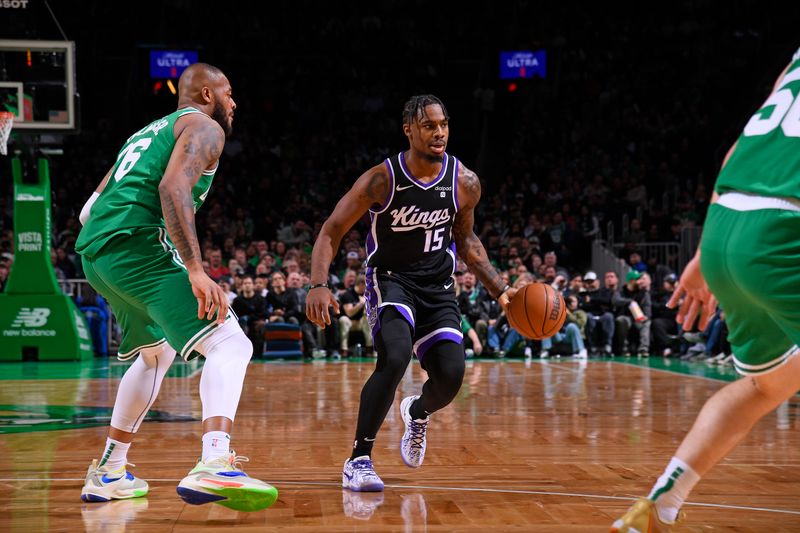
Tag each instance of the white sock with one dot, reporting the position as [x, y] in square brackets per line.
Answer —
[216, 444]
[672, 488]
[115, 455]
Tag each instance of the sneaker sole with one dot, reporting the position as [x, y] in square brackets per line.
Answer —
[374, 487]
[90, 497]
[238, 499]
[408, 463]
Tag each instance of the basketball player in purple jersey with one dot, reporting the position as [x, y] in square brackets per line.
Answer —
[420, 204]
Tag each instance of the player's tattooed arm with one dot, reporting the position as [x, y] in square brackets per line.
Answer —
[371, 189]
[468, 245]
[198, 146]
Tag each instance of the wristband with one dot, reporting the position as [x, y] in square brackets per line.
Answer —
[503, 291]
[318, 285]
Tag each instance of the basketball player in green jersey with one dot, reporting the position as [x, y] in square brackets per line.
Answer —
[749, 256]
[162, 298]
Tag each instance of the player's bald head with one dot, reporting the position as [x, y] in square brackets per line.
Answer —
[205, 88]
[197, 76]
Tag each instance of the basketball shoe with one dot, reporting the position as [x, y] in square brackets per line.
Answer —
[359, 475]
[102, 484]
[222, 481]
[642, 517]
[412, 445]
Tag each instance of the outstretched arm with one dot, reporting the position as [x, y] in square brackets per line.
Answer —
[469, 247]
[197, 147]
[371, 189]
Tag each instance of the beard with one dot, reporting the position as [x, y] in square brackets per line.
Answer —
[434, 158]
[221, 118]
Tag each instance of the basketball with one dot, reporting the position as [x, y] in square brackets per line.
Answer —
[537, 311]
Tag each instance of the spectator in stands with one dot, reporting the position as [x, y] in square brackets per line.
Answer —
[353, 261]
[64, 263]
[596, 302]
[636, 235]
[226, 284]
[575, 286]
[471, 302]
[664, 328]
[240, 255]
[261, 249]
[277, 296]
[295, 235]
[216, 269]
[570, 332]
[634, 311]
[262, 284]
[353, 316]
[636, 263]
[290, 266]
[251, 309]
[295, 312]
[349, 279]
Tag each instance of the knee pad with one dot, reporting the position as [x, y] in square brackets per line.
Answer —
[230, 334]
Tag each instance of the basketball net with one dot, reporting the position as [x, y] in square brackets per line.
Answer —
[6, 121]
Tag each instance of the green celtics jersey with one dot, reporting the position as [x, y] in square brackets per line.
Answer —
[130, 200]
[766, 161]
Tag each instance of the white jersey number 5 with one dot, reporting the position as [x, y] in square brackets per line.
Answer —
[785, 112]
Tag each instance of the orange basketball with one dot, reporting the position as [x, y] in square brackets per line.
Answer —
[537, 311]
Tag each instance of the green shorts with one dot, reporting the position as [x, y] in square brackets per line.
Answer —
[751, 261]
[142, 277]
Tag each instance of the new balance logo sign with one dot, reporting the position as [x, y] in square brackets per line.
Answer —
[31, 318]
[29, 322]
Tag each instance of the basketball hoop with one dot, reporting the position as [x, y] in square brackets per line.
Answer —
[6, 121]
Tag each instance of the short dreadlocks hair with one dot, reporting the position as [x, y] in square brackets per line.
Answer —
[416, 106]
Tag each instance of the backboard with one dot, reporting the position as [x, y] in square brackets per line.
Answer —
[37, 84]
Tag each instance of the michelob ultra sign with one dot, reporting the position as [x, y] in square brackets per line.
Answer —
[523, 64]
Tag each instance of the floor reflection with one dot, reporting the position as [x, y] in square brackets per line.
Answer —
[414, 512]
[113, 516]
[360, 505]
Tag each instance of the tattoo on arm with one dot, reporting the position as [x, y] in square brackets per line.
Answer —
[472, 184]
[178, 209]
[377, 190]
[203, 146]
[474, 254]
[468, 244]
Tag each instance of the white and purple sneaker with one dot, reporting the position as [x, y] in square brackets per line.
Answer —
[412, 445]
[359, 475]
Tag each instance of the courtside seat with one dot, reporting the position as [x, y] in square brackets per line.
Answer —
[282, 340]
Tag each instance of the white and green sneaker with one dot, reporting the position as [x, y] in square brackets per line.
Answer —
[222, 481]
[102, 484]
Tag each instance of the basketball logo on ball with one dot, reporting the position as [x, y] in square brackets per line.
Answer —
[537, 311]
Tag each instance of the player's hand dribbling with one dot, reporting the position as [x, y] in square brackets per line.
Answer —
[317, 303]
[505, 298]
[211, 298]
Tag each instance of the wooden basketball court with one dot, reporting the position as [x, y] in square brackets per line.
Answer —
[540, 446]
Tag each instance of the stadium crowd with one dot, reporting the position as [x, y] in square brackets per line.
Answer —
[559, 158]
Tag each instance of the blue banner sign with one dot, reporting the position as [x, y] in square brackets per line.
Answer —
[523, 64]
[170, 63]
